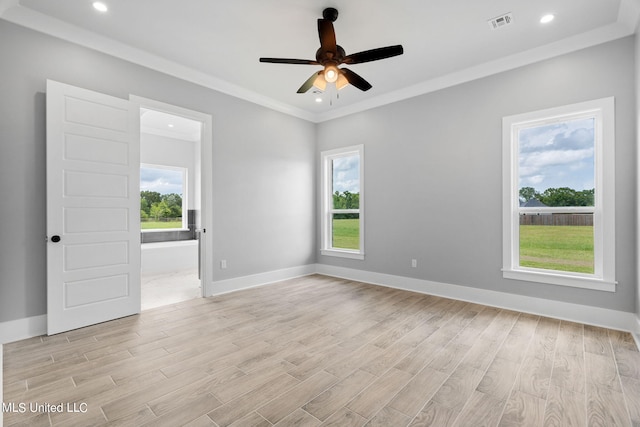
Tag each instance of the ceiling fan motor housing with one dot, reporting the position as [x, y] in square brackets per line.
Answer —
[324, 57]
[330, 14]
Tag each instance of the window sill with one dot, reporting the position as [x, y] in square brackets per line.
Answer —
[342, 254]
[560, 279]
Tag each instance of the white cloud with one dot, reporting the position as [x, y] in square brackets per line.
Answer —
[541, 159]
[346, 174]
[164, 181]
[533, 180]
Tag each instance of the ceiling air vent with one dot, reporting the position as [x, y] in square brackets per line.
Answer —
[500, 21]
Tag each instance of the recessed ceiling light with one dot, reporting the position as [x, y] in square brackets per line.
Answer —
[318, 99]
[170, 125]
[547, 18]
[100, 7]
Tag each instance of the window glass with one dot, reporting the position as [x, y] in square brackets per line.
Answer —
[556, 168]
[345, 231]
[342, 203]
[346, 182]
[346, 195]
[161, 197]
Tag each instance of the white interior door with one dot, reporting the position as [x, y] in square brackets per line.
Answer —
[93, 223]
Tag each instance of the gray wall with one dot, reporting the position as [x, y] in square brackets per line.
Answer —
[433, 176]
[165, 151]
[263, 165]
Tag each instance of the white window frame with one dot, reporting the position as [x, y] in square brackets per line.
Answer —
[327, 158]
[185, 189]
[603, 278]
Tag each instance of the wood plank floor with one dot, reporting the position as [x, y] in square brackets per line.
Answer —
[323, 351]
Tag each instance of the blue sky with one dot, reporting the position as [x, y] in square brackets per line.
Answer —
[557, 155]
[164, 181]
[346, 174]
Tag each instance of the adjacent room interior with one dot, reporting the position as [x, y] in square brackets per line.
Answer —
[241, 220]
[169, 153]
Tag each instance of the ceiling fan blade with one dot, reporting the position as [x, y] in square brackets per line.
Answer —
[373, 54]
[327, 36]
[309, 83]
[289, 61]
[356, 80]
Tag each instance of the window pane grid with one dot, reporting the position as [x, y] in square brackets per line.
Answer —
[559, 203]
[342, 202]
[556, 176]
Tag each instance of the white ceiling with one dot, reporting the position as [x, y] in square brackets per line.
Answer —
[169, 125]
[217, 44]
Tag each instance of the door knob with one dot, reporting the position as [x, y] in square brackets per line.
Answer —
[55, 239]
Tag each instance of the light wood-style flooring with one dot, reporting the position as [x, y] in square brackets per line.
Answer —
[323, 351]
[169, 288]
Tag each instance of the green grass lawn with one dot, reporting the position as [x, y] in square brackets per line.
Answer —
[564, 248]
[154, 225]
[346, 234]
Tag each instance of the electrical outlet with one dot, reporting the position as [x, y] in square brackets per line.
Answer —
[414, 263]
[223, 264]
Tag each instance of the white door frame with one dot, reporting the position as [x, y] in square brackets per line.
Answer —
[205, 152]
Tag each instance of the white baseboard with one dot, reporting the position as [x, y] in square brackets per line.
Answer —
[16, 330]
[606, 318]
[245, 282]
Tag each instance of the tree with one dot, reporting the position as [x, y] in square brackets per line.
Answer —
[174, 203]
[565, 196]
[528, 193]
[160, 210]
[338, 201]
[156, 205]
[345, 200]
[144, 208]
[151, 196]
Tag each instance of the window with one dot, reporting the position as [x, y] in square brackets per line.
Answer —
[162, 201]
[343, 202]
[558, 195]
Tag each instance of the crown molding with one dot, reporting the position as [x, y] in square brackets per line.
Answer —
[561, 47]
[10, 10]
[627, 24]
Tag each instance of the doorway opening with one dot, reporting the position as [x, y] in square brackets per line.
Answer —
[170, 203]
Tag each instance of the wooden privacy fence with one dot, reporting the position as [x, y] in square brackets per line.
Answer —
[557, 219]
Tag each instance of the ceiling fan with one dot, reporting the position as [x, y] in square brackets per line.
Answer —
[330, 55]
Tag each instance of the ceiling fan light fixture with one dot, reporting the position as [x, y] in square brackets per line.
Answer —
[320, 82]
[342, 81]
[331, 73]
